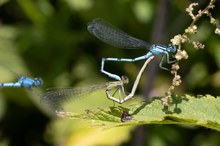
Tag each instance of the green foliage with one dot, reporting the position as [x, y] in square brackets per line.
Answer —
[49, 39]
[189, 110]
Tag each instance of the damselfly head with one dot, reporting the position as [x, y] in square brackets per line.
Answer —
[125, 79]
[38, 82]
[171, 48]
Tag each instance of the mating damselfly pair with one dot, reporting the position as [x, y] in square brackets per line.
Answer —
[117, 38]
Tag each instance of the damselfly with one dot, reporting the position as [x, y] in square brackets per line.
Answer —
[134, 88]
[22, 81]
[117, 38]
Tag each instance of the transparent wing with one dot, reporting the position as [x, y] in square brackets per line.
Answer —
[114, 36]
[56, 97]
[10, 70]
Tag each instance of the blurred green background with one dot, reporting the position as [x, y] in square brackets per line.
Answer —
[49, 39]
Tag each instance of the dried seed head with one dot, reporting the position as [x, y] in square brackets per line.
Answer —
[181, 54]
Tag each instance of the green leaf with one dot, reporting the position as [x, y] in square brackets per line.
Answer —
[199, 111]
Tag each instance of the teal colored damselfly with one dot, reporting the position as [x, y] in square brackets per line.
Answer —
[117, 38]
